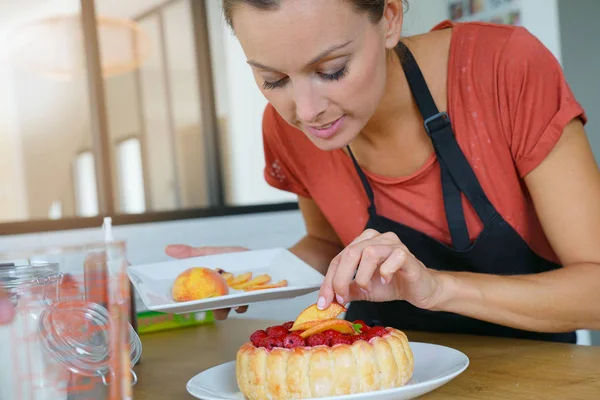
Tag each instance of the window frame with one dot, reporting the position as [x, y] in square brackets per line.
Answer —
[104, 153]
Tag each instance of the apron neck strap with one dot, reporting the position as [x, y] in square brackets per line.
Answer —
[364, 181]
[437, 124]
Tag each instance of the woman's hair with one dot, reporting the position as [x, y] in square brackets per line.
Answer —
[372, 7]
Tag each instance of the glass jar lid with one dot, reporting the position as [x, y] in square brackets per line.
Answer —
[14, 276]
[77, 333]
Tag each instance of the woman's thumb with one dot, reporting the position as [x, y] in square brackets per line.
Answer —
[182, 251]
[185, 251]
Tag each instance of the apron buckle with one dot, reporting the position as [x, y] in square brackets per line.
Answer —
[443, 115]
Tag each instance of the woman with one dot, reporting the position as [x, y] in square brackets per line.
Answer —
[445, 179]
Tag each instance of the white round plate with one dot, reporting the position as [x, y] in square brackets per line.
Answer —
[435, 366]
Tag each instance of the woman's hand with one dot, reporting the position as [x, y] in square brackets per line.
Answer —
[184, 251]
[385, 270]
[7, 311]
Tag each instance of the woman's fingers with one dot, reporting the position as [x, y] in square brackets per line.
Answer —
[182, 251]
[357, 293]
[221, 314]
[327, 293]
[347, 264]
[372, 257]
[394, 262]
[241, 309]
[345, 273]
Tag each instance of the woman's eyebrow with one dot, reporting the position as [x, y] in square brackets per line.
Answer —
[311, 62]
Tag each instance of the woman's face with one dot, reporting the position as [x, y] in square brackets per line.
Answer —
[320, 63]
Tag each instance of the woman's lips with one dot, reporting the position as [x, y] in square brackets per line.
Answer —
[326, 131]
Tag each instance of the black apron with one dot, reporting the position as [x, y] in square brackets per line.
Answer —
[498, 250]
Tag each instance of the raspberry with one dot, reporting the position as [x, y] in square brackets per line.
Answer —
[288, 325]
[317, 340]
[269, 342]
[363, 326]
[293, 340]
[256, 336]
[330, 334]
[341, 339]
[276, 331]
[362, 336]
[377, 331]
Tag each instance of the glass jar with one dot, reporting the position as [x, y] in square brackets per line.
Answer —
[76, 261]
[25, 371]
[59, 349]
[77, 333]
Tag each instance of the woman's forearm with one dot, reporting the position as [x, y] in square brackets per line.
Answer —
[558, 301]
[316, 252]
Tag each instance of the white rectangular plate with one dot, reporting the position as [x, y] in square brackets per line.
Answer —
[153, 282]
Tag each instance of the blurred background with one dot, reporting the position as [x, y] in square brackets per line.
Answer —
[86, 106]
[145, 110]
[145, 106]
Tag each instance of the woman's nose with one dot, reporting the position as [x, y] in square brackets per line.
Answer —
[309, 104]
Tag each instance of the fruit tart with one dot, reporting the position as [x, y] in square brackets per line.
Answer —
[320, 355]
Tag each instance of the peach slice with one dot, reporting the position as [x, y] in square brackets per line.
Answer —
[259, 280]
[228, 276]
[340, 325]
[304, 326]
[279, 284]
[312, 313]
[241, 278]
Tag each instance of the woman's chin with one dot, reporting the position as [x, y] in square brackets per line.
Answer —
[333, 143]
[329, 144]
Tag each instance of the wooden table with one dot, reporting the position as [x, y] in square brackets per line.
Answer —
[499, 368]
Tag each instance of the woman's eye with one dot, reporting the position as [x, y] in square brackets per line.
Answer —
[274, 85]
[336, 76]
[267, 85]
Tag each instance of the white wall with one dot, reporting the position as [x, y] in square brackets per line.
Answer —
[540, 17]
[423, 15]
[581, 59]
[579, 30]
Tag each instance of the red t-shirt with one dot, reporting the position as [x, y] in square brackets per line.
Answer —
[509, 103]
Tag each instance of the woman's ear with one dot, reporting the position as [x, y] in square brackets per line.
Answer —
[393, 17]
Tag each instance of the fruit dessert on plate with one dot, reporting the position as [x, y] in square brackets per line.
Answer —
[320, 355]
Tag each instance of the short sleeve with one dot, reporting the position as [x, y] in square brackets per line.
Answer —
[280, 170]
[537, 99]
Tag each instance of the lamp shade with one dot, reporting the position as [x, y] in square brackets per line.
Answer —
[55, 46]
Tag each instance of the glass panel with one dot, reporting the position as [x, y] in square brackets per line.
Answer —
[44, 110]
[163, 179]
[240, 106]
[129, 173]
[185, 103]
[86, 196]
[155, 99]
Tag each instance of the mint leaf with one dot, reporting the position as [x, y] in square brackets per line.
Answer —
[357, 327]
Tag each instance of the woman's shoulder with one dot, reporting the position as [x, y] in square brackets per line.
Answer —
[515, 82]
[500, 50]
